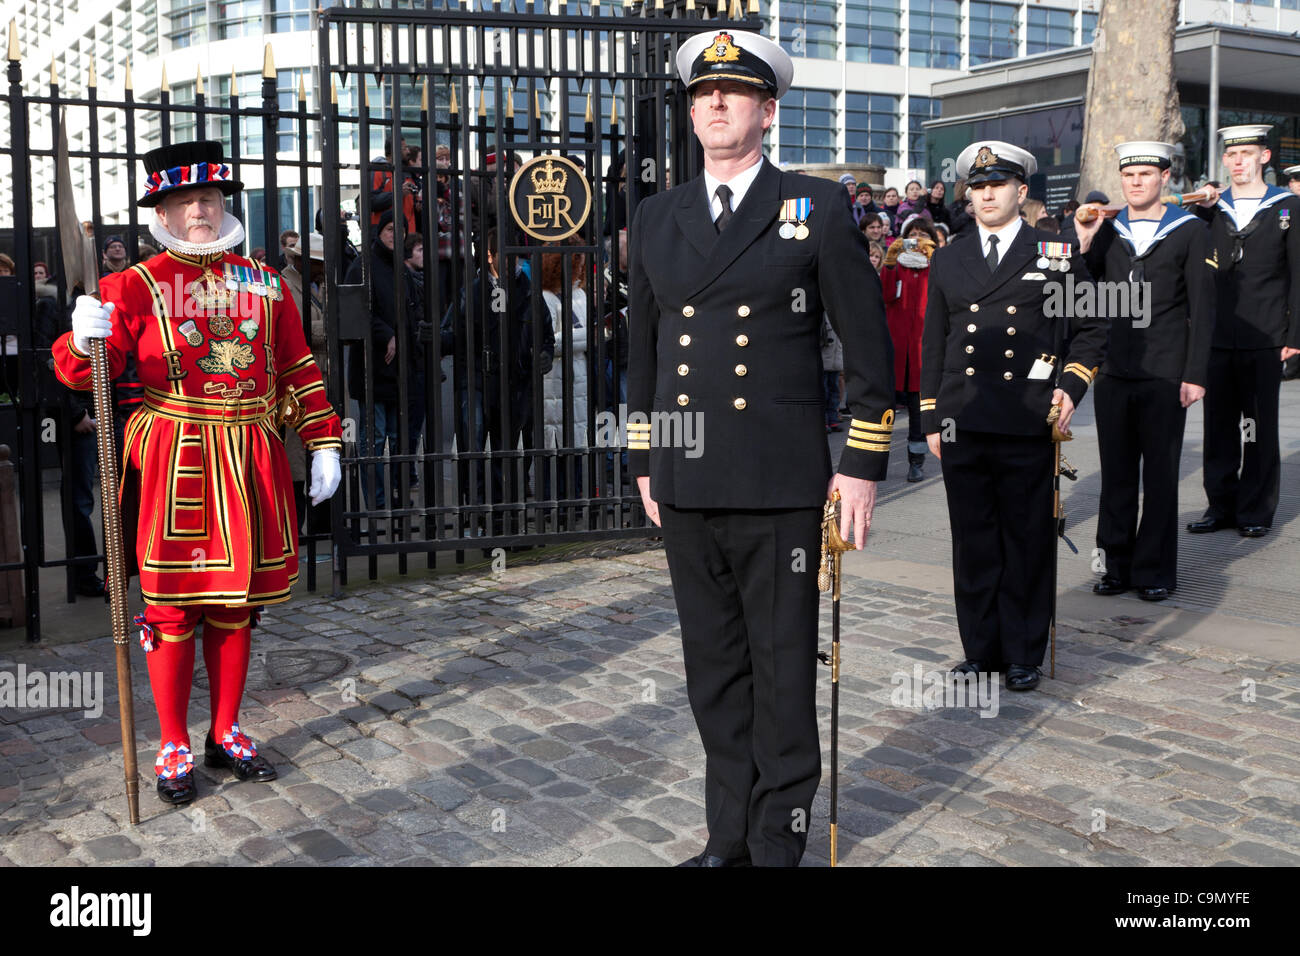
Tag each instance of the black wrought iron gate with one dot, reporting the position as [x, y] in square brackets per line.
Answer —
[523, 424]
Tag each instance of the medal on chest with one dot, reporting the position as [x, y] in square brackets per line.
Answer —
[794, 218]
[1054, 255]
[256, 282]
[1284, 219]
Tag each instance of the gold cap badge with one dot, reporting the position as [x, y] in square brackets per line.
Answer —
[722, 50]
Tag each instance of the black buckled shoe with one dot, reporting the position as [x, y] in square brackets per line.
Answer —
[1108, 585]
[175, 769]
[1207, 524]
[1252, 530]
[1020, 677]
[254, 767]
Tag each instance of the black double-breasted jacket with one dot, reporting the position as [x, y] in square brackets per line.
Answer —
[984, 330]
[725, 340]
[1172, 340]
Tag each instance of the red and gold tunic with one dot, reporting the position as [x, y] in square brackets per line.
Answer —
[217, 518]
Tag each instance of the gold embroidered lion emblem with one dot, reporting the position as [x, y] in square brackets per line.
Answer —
[225, 356]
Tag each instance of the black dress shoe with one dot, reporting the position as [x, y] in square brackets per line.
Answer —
[968, 667]
[1252, 530]
[252, 768]
[1208, 524]
[1020, 677]
[1153, 594]
[1108, 585]
[914, 473]
[708, 859]
[174, 791]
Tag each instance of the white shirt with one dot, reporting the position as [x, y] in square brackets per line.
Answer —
[738, 184]
[1246, 209]
[1143, 231]
[1006, 236]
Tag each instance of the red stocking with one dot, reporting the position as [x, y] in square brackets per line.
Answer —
[170, 632]
[227, 639]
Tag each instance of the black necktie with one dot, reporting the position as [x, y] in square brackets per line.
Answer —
[724, 196]
[992, 257]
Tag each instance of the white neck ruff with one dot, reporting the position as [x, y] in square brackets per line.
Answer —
[231, 235]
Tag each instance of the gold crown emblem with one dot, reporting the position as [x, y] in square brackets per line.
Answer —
[985, 158]
[548, 179]
[723, 49]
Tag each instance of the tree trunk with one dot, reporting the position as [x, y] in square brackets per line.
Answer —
[1132, 94]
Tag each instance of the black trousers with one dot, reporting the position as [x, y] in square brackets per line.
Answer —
[999, 490]
[1241, 476]
[746, 590]
[1140, 431]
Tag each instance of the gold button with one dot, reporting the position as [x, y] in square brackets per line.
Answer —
[688, 310]
[969, 349]
[683, 369]
[1011, 310]
[683, 399]
[970, 371]
[974, 306]
[1007, 376]
[684, 340]
[743, 312]
[742, 340]
[971, 327]
[1009, 354]
[1011, 330]
[740, 404]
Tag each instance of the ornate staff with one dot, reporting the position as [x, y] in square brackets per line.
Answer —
[1086, 214]
[1062, 469]
[828, 579]
[79, 257]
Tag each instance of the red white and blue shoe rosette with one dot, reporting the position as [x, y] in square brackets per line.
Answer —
[174, 760]
[237, 744]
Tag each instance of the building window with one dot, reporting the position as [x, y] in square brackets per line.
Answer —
[1089, 27]
[187, 23]
[147, 42]
[870, 128]
[935, 34]
[291, 16]
[807, 119]
[239, 18]
[808, 29]
[994, 32]
[183, 122]
[249, 91]
[1049, 30]
[920, 109]
[873, 30]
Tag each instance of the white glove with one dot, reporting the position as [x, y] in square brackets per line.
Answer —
[325, 474]
[90, 320]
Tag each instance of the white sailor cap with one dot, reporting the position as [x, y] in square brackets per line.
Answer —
[1145, 153]
[1292, 172]
[1251, 134]
[992, 160]
[723, 54]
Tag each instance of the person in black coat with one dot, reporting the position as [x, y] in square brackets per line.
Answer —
[386, 361]
[993, 363]
[496, 371]
[1155, 368]
[1257, 241]
[730, 274]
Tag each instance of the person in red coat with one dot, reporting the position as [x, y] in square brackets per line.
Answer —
[904, 278]
[221, 354]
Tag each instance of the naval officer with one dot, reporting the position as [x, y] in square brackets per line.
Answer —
[992, 365]
[1155, 368]
[730, 274]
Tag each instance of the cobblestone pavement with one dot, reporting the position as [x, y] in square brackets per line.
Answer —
[538, 716]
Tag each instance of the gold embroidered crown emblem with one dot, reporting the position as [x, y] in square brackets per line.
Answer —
[723, 49]
[985, 158]
[548, 179]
